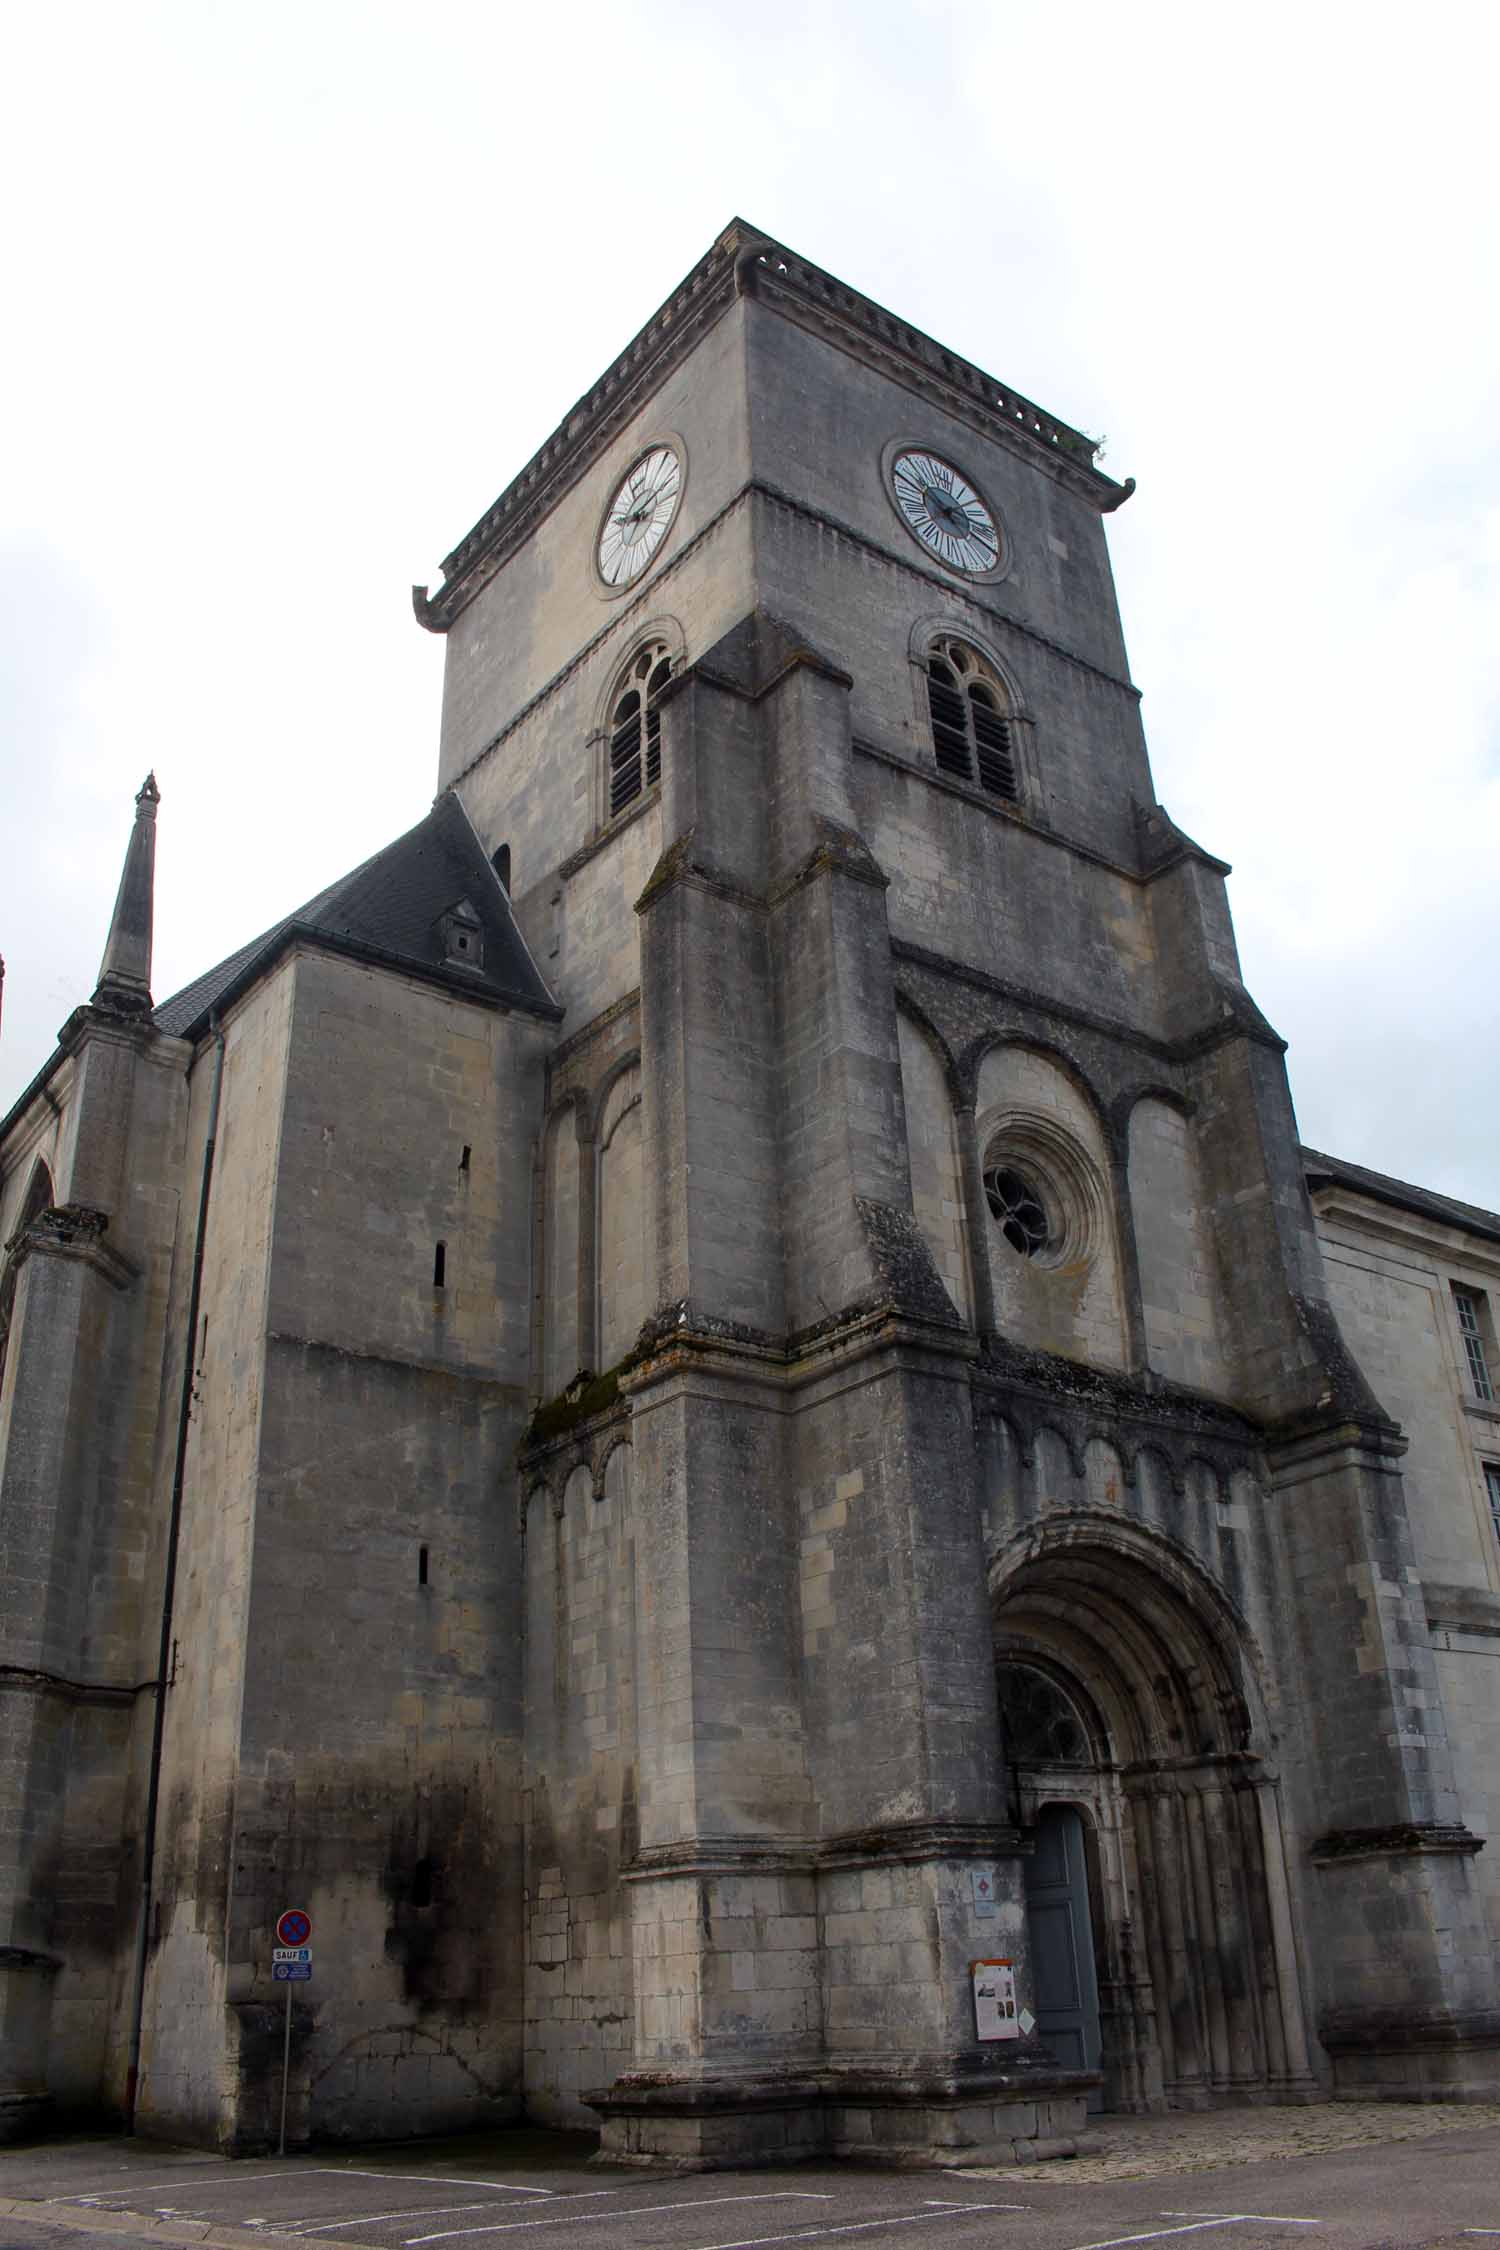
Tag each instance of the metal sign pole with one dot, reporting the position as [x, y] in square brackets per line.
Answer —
[291, 1963]
[286, 2064]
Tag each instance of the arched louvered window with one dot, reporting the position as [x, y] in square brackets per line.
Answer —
[635, 727]
[973, 737]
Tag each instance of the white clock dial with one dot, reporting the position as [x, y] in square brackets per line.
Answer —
[941, 508]
[638, 516]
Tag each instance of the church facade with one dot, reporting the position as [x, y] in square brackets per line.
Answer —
[710, 1409]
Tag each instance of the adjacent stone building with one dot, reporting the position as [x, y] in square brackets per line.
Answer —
[710, 1409]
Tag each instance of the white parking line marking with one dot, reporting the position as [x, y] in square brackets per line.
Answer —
[430, 2179]
[857, 2226]
[154, 2187]
[629, 2211]
[413, 2211]
[1116, 2241]
[1259, 2218]
[951, 2203]
[435, 2211]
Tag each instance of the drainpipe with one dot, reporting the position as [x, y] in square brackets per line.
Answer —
[168, 1592]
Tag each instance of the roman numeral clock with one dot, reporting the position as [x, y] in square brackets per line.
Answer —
[639, 516]
[942, 510]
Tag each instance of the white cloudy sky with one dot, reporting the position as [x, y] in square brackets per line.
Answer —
[291, 291]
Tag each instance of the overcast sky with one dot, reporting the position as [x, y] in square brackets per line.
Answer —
[292, 291]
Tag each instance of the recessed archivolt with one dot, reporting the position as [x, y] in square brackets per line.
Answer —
[1124, 1107]
[1049, 1439]
[619, 1093]
[575, 1104]
[539, 1490]
[1213, 1476]
[1137, 1620]
[1174, 1481]
[619, 1443]
[977, 1053]
[923, 1025]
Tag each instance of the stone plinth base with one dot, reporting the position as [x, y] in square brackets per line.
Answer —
[1423, 2056]
[23, 2117]
[918, 2118]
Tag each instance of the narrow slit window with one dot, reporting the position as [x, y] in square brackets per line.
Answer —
[463, 1162]
[440, 1266]
[421, 1566]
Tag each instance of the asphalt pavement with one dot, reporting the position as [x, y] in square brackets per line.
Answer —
[538, 2191]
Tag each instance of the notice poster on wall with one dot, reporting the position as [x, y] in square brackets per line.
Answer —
[995, 1999]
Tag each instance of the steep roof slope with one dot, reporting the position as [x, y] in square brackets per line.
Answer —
[390, 910]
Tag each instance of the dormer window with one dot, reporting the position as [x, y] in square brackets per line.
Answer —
[463, 937]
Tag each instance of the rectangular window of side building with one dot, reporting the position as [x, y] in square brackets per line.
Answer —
[1472, 1308]
[1492, 1488]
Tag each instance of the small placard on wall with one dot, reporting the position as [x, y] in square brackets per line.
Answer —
[982, 1881]
[995, 2000]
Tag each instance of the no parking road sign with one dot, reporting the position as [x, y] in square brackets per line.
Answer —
[291, 1963]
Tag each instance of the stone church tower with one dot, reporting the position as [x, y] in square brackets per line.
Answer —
[700, 1407]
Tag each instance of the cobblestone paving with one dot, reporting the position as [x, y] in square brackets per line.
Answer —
[1134, 2148]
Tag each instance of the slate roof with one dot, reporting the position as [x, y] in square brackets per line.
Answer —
[390, 910]
[1446, 1209]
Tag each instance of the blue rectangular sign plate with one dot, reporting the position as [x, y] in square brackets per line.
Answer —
[290, 1972]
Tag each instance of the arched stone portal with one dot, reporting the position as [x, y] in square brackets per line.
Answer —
[1129, 1691]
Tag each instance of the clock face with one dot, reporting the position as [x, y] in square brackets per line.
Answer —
[638, 517]
[941, 508]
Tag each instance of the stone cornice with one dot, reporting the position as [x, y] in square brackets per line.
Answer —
[583, 434]
[74, 1231]
[1045, 1384]
[680, 866]
[26, 1679]
[744, 262]
[1342, 1845]
[899, 1843]
[1174, 1051]
[909, 1842]
[818, 301]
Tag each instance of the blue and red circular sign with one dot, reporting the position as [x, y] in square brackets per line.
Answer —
[294, 1927]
